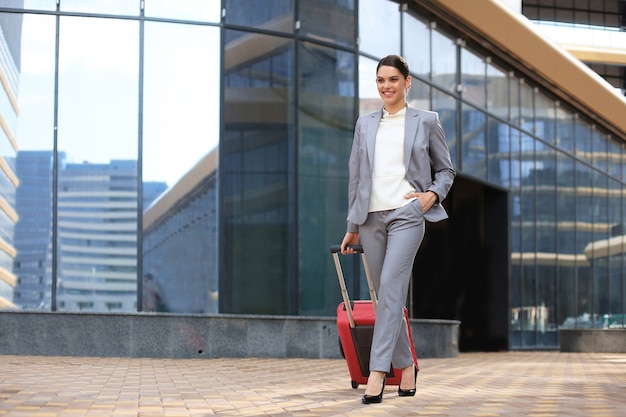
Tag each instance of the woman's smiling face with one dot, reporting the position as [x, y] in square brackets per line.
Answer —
[392, 87]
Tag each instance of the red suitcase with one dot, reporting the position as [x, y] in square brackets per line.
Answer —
[355, 326]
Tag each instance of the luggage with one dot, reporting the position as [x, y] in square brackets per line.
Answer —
[355, 325]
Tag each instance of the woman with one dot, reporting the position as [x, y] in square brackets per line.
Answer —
[400, 172]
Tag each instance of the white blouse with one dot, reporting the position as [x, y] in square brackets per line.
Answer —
[389, 183]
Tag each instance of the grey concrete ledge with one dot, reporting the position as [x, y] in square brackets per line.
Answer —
[193, 336]
[593, 340]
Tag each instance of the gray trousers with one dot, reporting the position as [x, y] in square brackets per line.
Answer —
[390, 240]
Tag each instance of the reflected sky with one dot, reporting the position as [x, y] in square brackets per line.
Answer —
[99, 86]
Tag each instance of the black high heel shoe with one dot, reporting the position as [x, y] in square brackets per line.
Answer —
[409, 392]
[374, 399]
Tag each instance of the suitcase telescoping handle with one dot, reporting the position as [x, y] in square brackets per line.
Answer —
[335, 250]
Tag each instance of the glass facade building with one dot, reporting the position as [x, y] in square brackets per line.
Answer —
[191, 157]
[594, 31]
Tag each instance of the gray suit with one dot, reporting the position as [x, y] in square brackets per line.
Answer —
[391, 238]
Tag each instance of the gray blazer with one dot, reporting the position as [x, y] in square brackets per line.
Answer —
[426, 158]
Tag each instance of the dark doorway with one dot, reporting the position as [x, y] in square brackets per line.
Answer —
[461, 271]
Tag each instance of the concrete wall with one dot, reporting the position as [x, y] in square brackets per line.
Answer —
[195, 336]
[593, 340]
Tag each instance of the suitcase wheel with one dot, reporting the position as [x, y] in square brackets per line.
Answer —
[355, 385]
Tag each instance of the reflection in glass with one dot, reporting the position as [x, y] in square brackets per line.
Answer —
[599, 149]
[528, 228]
[33, 164]
[582, 139]
[545, 174]
[180, 136]
[474, 149]
[379, 43]
[272, 15]
[444, 61]
[614, 159]
[369, 99]
[600, 234]
[584, 209]
[498, 138]
[40, 4]
[612, 266]
[527, 110]
[499, 153]
[445, 105]
[326, 123]
[199, 10]
[416, 44]
[519, 316]
[328, 20]
[97, 184]
[10, 25]
[257, 176]
[473, 78]
[545, 119]
[419, 94]
[497, 91]
[121, 7]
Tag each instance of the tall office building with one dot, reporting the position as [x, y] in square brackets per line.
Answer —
[97, 237]
[10, 52]
[33, 232]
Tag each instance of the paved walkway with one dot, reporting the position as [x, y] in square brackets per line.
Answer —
[538, 384]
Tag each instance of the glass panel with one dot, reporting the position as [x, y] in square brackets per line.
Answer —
[544, 118]
[497, 92]
[528, 238]
[527, 110]
[419, 94]
[445, 105]
[599, 148]
[584, 235]
[473, 79]
[601, 225]
[519, 317]
[332, 21]
[474, 153]
[326, 125]
[566, 229]
[13, 292]
[582, 138]
[257, 177]
[516, 99]
[600, 235]
[614, 159]
[444, 61]
[40, 4]
[546, 237]
[369, 99]
[564, 137]
[499, 140]
[97, 185]
[180, 137]
[273, 15]
[416, 41]
[615, 263]
[125, 7]
[199, 10]
[379, 43]
[33, 165]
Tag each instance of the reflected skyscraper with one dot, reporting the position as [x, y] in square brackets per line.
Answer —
[97, 236]
[10, 54]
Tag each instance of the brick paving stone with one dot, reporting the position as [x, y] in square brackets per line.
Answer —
[533, 384]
